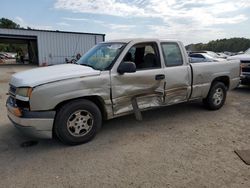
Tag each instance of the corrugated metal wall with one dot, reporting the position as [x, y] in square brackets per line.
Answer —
[54, 47]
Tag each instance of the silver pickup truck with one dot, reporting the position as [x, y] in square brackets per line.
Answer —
[114, 78]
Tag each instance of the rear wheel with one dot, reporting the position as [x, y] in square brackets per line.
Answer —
[77, 122]
[216, 96]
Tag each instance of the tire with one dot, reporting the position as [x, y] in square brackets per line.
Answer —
[77, 122]
[216, 96]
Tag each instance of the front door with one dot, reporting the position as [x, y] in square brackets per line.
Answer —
[146, 85]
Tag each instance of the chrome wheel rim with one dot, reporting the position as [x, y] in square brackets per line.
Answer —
[80, 123]
[218, 96]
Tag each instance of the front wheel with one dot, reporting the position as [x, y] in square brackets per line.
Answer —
[77, 122]
[216, 96]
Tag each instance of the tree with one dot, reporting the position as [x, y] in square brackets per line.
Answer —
[221, 45]
[9, 24]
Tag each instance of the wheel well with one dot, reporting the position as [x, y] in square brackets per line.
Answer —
[223, 79]
[98, 101]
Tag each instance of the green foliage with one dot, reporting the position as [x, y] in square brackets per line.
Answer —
[221, 45]
[9, 24]
[12, 47]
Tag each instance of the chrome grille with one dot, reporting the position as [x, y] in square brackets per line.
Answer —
[245, 61]
[245, 69]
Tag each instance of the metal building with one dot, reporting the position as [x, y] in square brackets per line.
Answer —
[51, 47]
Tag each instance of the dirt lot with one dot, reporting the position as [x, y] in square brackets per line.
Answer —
[178, 146]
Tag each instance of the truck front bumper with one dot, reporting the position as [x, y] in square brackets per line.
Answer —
[245, 79]
[32, 124]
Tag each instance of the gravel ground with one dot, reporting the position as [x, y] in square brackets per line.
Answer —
[178, 146]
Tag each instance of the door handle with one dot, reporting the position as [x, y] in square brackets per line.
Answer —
[159, 77]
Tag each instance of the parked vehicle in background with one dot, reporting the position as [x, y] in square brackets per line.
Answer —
[245, 66]
[210, 53]
[8, 55]
[2, 58]
[239, 53]
[113, 79]
[229, 53]
[203, 57]
[11, 55]
[3, 55]
[222, 55]
[73, 60]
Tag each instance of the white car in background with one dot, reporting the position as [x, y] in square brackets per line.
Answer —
[203, 57]
[210, 53]
[3, 55]
[11, 55]
[223, 55]
[8, 55]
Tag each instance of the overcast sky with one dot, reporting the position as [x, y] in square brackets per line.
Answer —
[190, 21]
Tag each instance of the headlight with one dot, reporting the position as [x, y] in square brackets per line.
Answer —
[23, 93]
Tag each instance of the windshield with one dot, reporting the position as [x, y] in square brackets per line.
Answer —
[101, 56]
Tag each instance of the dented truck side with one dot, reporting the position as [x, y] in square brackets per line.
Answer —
[71, 101]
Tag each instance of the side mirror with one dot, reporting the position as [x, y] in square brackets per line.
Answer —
[126, 67]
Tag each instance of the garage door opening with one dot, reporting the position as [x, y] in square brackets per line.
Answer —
[20, 50]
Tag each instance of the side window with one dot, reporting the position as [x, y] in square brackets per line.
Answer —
[202, 56]
[172, 54]
[144, 55]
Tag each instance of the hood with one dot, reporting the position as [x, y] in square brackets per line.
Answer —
[242, 57]
[44, 75]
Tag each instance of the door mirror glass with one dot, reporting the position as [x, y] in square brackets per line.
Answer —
[126, 67]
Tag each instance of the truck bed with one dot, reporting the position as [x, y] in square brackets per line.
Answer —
[204, 73]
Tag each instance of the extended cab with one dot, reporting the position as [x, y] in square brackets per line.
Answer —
[114, 78]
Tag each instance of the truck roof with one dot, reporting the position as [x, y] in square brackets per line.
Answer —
[141, 40]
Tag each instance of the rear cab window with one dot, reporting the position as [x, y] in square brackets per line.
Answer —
[172, 54]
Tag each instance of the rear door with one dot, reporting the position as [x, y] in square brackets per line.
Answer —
[146, 84]
[177, 73]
